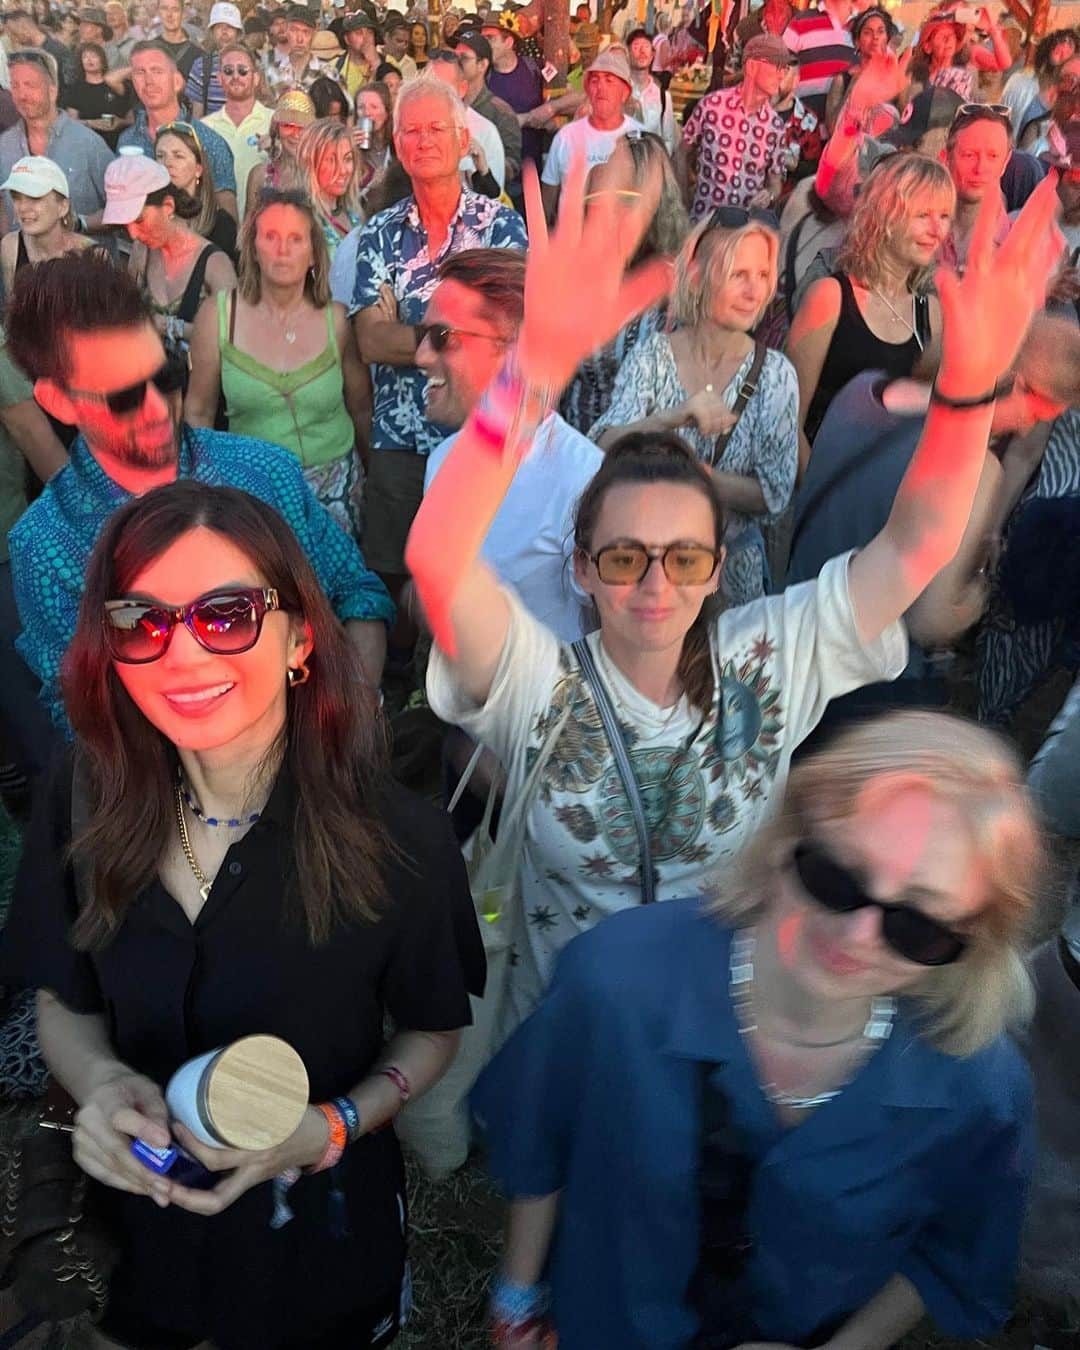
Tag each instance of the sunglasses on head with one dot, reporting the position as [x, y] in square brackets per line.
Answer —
[223, 622]
[735, 218]
[440, 334]
[908, 931]
[627, 564]
[166, 380]
[981, 112]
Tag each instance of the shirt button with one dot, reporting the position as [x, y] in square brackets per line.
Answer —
[235, 868]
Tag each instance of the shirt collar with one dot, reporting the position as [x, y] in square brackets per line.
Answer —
[412, 214]
[96, 480]
[703, 1026]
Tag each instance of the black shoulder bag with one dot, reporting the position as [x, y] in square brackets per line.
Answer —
[615, 740]
[747, 390]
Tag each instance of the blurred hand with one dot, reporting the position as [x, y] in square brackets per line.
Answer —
[882, 79]
[577, 293]
[387, 304]
[125, 1107]
[708, 412]
[478, 156]
[246, 1168]
[987, 311]
[761, 201]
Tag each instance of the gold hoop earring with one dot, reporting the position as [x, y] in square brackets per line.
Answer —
[298, 675]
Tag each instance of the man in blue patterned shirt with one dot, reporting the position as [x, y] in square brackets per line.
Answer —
[398, 255]
[80, 329]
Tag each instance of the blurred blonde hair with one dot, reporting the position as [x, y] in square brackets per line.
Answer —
[316, 141]
[962, 1007]
[704, 265]
[887, 197]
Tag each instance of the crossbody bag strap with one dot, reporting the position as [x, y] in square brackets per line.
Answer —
[747, 390]
[614, 735]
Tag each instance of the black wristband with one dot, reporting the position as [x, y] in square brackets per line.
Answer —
[983, 401]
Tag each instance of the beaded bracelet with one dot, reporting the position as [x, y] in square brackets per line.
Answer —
[335, 1144]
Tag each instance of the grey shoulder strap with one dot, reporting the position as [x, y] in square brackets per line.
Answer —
[614, 735]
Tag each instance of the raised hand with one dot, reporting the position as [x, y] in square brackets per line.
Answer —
[986, 312]
[882, 79]
[577, 292]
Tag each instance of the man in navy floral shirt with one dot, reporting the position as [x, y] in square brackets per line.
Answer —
[397, 263]
[80, 329]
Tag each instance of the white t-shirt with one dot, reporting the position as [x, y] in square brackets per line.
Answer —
[487, 134]
[579, 134]
[708, 783]
[531, 540]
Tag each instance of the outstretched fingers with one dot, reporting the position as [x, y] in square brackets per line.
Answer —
[1035, 241]
[535, 219]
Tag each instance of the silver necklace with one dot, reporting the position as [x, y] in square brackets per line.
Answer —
[899, 317]
[875, 1033]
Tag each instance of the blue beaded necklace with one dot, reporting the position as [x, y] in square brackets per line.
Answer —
[196, 810]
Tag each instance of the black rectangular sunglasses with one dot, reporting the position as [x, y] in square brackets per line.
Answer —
[909, 932]
[167, 379]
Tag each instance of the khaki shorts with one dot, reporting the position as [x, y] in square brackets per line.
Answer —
[392, 496]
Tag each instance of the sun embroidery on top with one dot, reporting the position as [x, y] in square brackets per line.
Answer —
[744, 750]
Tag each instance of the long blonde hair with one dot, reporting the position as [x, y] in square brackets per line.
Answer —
[704, 264]
[886, 198]
[319, 139]
[962, 1007]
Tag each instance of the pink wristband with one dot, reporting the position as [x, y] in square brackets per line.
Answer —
[399, 1081]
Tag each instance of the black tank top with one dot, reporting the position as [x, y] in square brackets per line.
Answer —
[853, 349]
[22, 258]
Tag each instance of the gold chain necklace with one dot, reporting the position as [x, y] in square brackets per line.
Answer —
[204, 881]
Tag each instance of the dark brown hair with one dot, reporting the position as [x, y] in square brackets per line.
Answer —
[659, 458]
[497, 275]
[334, 748]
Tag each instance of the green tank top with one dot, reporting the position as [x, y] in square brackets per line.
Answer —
[302, 410]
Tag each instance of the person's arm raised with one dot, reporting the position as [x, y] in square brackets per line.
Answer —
[986, 315]
[584, 255]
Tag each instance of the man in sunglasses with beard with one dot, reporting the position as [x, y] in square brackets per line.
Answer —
[81, 331]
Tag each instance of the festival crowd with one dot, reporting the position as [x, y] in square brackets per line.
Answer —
[672, 472]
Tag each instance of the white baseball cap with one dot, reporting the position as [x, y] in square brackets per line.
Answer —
[225, 13]
[36, 176]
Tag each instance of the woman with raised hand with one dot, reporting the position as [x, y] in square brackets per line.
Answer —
[243, 866]
[712, 706]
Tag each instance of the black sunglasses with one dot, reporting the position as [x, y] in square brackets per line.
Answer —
[223, 622]
[439, 335]
[166, 380]
[909, 932]
[236, 70]
[735, 218]
[627, 564]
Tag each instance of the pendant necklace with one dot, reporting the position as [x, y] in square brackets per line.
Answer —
[899, 317]
[200, 876]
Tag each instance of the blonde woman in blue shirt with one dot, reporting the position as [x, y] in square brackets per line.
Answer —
[790, 1114]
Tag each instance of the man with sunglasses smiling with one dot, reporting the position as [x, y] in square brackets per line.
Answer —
[244, 122]
[81, 330]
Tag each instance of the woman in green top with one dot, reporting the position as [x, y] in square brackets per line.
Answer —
[283, 355]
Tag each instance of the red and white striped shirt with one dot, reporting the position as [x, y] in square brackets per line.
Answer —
[824, 48]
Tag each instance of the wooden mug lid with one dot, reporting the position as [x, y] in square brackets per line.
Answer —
[256, 1093]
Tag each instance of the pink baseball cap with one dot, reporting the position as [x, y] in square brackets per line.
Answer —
[129, 180]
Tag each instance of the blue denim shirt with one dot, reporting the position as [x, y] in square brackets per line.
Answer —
[918, 1167]
[215, 146]
[392, 250]
[52, 541]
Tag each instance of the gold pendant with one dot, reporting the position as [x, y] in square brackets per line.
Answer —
[204, 891]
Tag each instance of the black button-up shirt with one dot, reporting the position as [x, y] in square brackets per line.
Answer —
[171, 989]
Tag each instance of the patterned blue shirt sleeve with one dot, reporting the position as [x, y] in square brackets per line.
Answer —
[49, 594]
[354, 591]
[220, 158]
[508, 230]
[193, 88]
[372, 265]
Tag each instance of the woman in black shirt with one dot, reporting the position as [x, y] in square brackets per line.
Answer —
[241, 865]
[97, 98]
